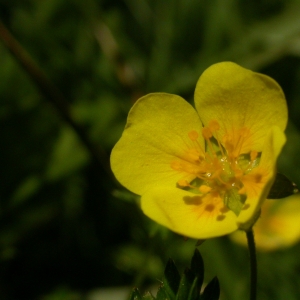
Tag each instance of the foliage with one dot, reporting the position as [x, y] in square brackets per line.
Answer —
[187, 287]
[66, 226]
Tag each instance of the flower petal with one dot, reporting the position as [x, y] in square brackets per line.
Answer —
[188, 214]
[238, 98]
[156, 133]
[259, 181]
[278, 226]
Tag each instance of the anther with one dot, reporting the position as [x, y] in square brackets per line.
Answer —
[213, 125]
[193, 135]
[206, 133]
[183, 183]
[194, 154]
[204, 189]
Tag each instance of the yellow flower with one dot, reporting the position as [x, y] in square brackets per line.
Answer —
[278, 227]
[204, 182]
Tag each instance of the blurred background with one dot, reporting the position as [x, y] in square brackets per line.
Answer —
[68, 230]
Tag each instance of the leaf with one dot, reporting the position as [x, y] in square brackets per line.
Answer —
[162, 294]
[194, 293]
[171, 279]
[282, 187]
[212, 290]
[148, 296]
[197, 266]
[234, 201]
[135, 295]
[186, 284]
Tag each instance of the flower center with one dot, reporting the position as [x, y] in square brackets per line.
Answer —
[220, 172]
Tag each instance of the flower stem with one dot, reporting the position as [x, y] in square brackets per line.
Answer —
[253, 264]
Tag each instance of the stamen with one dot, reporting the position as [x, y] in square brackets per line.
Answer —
[219, 144]
[183, 183]
[194, 155]
[253, 155]
[206, 133]
[204, 189]
[220, 167]
[193, 135]
[213, 125]
[227, 141]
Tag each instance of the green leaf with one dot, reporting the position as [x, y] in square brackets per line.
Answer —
[171, 279]
[162, 294]
[212, 290]
[197, 266]
[135, 295]
[186, 284]
[194, 293]
[148, 296]
[234, 201]
[282, 187]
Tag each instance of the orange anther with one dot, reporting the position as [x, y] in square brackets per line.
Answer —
[194, 154]
[193, 135]
[206, 133]
[204, 189]
[183, 183]
[214, 125]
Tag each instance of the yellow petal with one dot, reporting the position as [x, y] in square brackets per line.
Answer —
[239, 98]
[188, 214]
[156, 134]
[278, 227]
[259, 181]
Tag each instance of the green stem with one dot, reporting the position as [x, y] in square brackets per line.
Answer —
[253, 264]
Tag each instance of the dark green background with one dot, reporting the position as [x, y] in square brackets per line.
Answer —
[66, 227]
